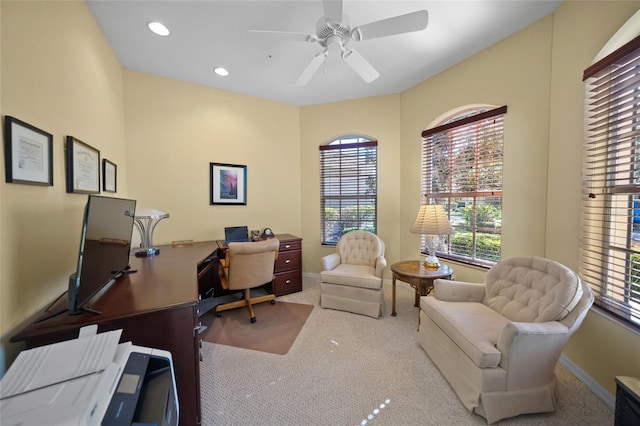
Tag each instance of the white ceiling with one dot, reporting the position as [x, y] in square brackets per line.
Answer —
[209, 33]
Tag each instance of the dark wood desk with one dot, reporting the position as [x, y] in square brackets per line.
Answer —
[156, 307]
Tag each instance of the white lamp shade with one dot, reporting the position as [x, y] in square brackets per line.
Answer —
[431, 220]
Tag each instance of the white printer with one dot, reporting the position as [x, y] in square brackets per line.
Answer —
[90, 380]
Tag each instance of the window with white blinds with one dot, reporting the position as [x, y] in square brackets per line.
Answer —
[462, 171]
[348, 187]
[610, 221]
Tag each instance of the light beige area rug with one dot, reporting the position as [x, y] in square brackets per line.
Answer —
[274, 331]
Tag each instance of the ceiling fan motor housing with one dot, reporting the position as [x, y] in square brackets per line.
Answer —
[330, 32]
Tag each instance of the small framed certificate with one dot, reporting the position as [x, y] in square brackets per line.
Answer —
[109, 176]
[83, 167]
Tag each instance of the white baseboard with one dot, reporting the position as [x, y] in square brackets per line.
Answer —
[592, 385]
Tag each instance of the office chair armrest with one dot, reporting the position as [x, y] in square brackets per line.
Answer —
[330, 262]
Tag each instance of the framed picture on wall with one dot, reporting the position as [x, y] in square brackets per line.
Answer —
[28, 153]
[228, 183]
[109, 176]
[83, 167]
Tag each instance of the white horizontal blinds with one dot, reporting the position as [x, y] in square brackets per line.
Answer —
[610, 220]
[348, 187]
[462, 170]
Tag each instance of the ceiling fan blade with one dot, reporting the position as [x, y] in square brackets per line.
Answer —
[311, 68]
[360, 65]
[332, 10]
[290, 35]
[414, 21]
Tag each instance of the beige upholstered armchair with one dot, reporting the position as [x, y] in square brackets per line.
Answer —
[352, 278]
[246, 266]
[497, 343]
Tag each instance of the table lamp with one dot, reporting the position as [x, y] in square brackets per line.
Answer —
[146, 221]
[432, 222]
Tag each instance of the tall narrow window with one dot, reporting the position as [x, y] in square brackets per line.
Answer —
[462, 171]
[610, 225]
[348, 187]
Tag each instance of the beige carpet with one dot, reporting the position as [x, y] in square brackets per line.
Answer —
[347, 369]
[274, 331]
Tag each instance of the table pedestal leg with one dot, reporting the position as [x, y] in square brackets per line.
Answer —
[393, 297]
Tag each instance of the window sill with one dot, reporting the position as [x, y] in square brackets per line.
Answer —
[461, 261]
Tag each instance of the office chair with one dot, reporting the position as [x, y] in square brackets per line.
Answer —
[248, 265]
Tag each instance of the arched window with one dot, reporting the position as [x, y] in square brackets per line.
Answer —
[462, 171]
[610, 225]
[348, 187]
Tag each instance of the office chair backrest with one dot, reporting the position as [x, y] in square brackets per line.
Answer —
[251, 264]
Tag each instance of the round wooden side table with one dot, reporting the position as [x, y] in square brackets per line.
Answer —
[417, 276]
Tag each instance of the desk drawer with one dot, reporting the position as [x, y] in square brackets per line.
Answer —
[290, 245]
[288, 261]
[287, 282]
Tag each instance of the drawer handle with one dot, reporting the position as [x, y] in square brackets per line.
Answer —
[287, 282]
[287, 261]
[287, 245]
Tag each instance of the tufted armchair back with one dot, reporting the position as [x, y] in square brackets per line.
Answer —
[532, 289]
[360, 248]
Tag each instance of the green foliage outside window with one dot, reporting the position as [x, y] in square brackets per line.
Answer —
[346, 219]
[486, 244]
[487, 216]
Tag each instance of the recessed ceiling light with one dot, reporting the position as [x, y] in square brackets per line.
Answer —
[221, 71]
[158, 28]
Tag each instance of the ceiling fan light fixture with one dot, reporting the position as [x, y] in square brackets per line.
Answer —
[221, 71]
[158, 28]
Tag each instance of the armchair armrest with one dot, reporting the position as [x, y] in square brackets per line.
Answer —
[381, 264]
[530, 351]
[330, 261]
[458, 291]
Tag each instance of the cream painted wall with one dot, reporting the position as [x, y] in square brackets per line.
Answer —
[175, 129]
[60, 75]
[514, 72]
[601, 347]
[376, 117]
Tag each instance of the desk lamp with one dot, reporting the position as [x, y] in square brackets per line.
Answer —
[432, 222]
[146, 221]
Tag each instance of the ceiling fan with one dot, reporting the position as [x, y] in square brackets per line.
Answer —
[333, 34]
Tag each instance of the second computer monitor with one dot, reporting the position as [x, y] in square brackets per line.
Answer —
[236, 234]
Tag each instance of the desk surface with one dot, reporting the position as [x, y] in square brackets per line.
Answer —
[153, 287]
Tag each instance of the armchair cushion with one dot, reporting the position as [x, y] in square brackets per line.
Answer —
[352, 275]
[473, 327]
